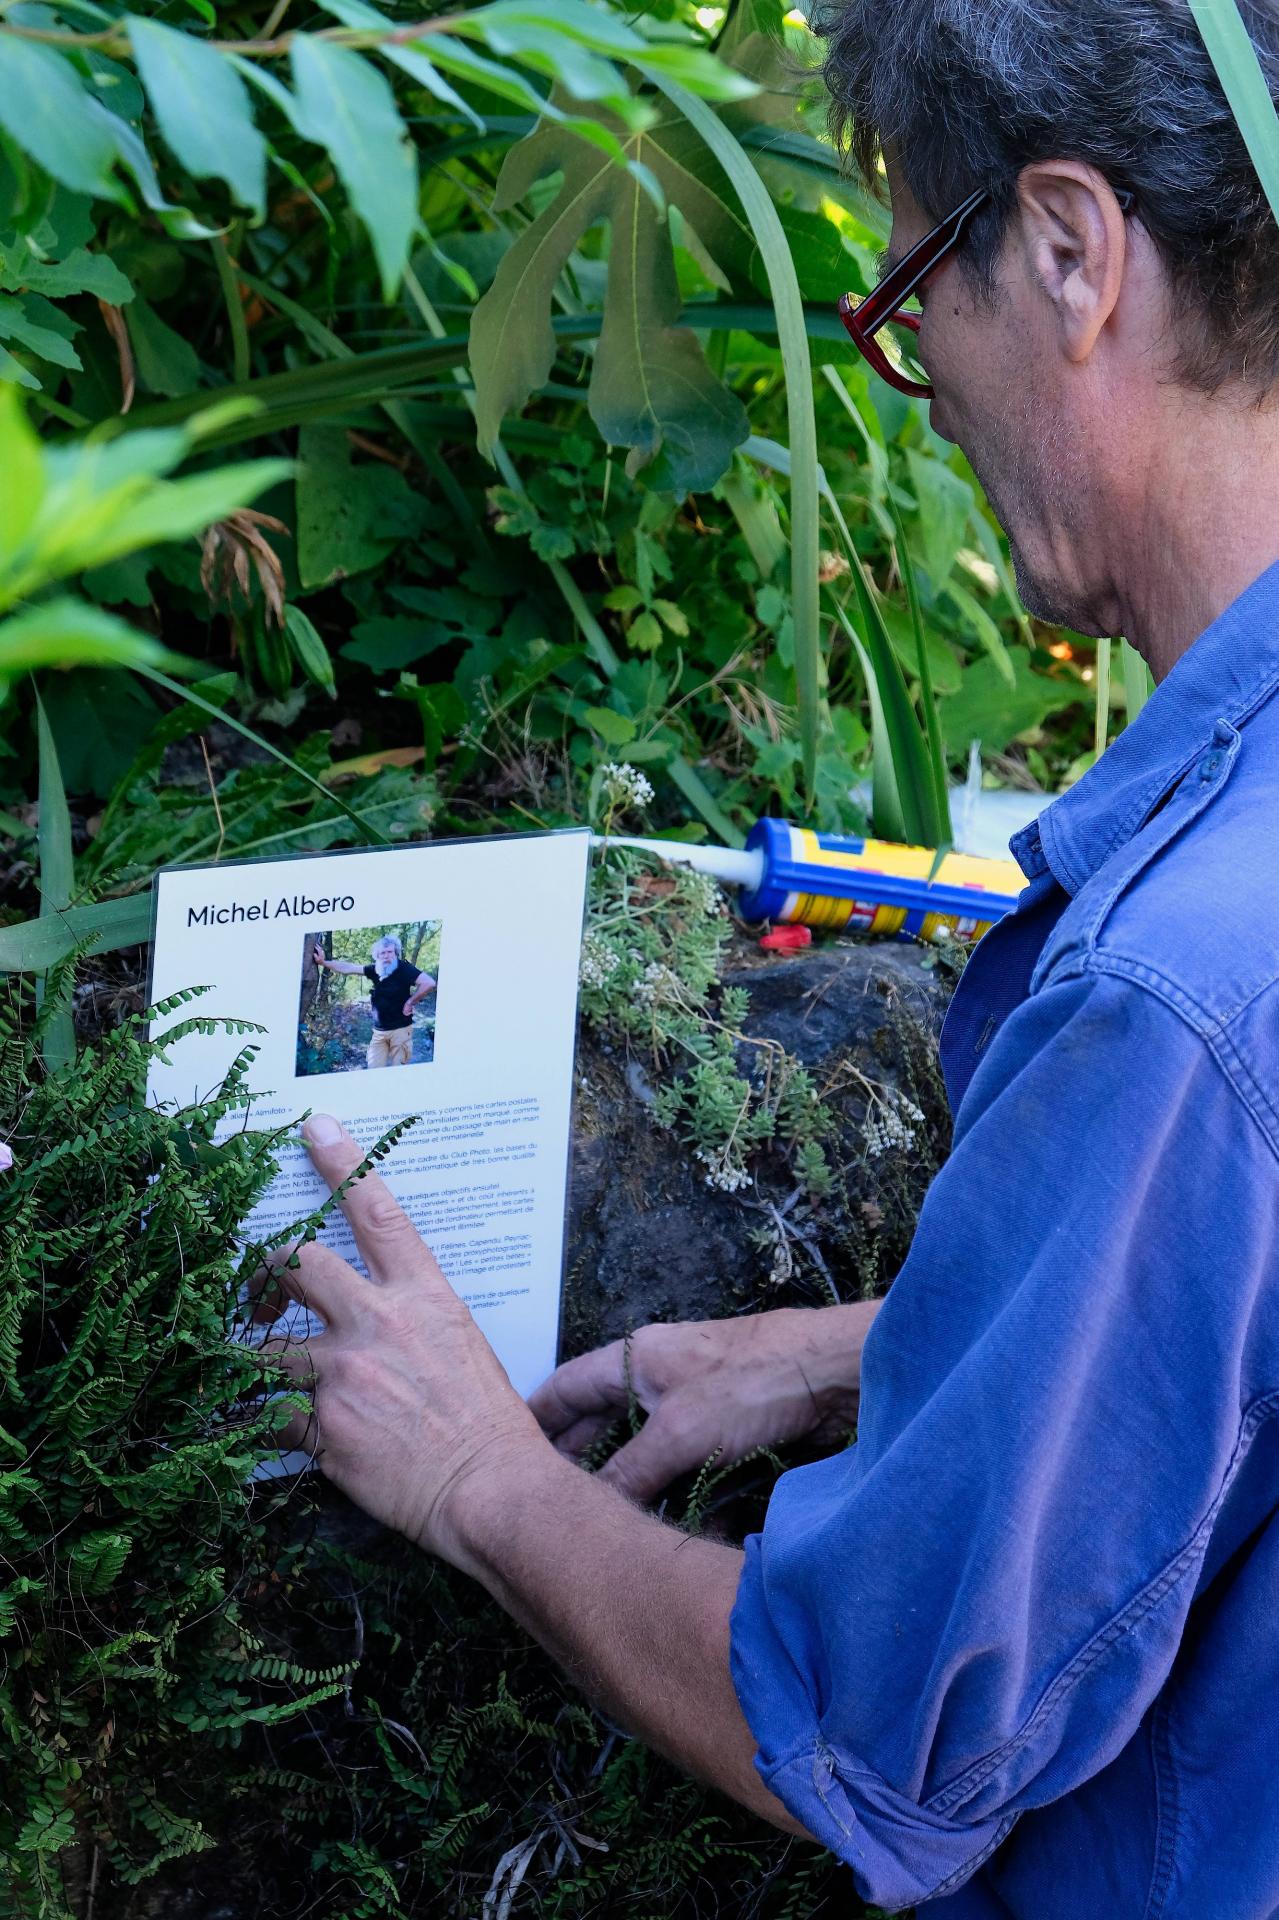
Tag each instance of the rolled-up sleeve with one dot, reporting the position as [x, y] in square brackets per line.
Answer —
[967, 1614]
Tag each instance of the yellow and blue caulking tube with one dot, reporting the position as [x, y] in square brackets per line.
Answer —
[829, 881]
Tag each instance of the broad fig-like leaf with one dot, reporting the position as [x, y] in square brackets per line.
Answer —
[651, 389]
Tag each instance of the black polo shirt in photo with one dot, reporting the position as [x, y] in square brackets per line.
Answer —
[389, 995]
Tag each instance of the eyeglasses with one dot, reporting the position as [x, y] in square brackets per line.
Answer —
[886, 306]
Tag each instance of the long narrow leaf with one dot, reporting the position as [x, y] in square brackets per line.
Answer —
[792, 337]
[904, 803]
[57, 874]
[1244, 83]
[33, 945]
[1136, 680]
[189, 694]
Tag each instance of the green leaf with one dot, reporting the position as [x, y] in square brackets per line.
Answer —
[979, 622]
[346, 106]
[309, 649]
[34, 945]
[202, 108]
[80, 272]
[70, 633]
[987, 709]
[792, 335]
[23, 469]
[945, 504]
[166, 360]
[348, 518]
[614, 729]
[1136, 675]
[13, 373]
[412, 60]
[99, 720]
[387, 643]
[46, 110]
[36, 324]
[651, 389]
[1245, 86]
[57, 875]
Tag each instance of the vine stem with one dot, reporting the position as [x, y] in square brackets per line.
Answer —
[115, 38]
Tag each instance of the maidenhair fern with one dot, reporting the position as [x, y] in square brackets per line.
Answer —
[129, 1426]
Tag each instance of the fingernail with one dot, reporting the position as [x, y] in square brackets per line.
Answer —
[321, 1130]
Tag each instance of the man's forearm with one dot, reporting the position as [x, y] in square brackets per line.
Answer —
[341, 966]
[637, 1612]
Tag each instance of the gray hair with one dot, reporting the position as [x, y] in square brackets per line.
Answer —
[387, 940]
[966, 93]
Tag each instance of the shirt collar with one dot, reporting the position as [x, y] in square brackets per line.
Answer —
[1228, 672]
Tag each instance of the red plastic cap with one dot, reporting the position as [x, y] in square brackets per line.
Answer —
[787, 940]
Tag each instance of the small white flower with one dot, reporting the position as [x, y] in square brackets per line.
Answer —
[599, 961]
[625, 786]
[723, 1175]
[661, 986]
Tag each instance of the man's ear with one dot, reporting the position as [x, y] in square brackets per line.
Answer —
[1075, 242]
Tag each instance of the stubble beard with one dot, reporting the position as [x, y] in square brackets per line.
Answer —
[1036, 481]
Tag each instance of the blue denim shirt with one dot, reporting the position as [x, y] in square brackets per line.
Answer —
[1016, 1653]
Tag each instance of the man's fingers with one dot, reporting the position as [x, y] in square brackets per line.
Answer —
[583, 1434]
[390, 1245]
[595, 1383]
[666, 1446]
[321, 1280]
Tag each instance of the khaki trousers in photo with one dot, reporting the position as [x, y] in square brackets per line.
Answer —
[394, 1049]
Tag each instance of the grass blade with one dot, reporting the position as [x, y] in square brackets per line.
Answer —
[1136, 680]
[1101, 719]
[1244, 84]
[57, 876]
[792, 337]
[189, 694]
[905, 802]
[33, 945]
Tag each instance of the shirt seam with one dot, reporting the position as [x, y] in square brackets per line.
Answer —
[1167, 1815]
[1236, 715]
[1128, 1617]
[1212, 1031]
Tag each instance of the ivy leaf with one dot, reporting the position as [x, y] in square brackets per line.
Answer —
[45, 109]
[202, 107]
[651, 389]
[346, 106]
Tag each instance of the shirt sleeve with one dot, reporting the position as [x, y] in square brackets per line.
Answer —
[370, 973]
[967, 1614]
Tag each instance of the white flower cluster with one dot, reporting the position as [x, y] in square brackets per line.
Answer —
[661, 986]
[723, 1174]
[599, 961]
[891, 1123]
[625, 785]
[703, 894]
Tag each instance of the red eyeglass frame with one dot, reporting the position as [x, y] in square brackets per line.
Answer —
[885, 305]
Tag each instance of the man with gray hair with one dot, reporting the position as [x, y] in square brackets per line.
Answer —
[1016, 1652]
[395, 987]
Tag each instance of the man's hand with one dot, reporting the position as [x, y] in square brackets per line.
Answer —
[407, 1008]
[710, 1387]
[411, 1403]
[318, 955]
